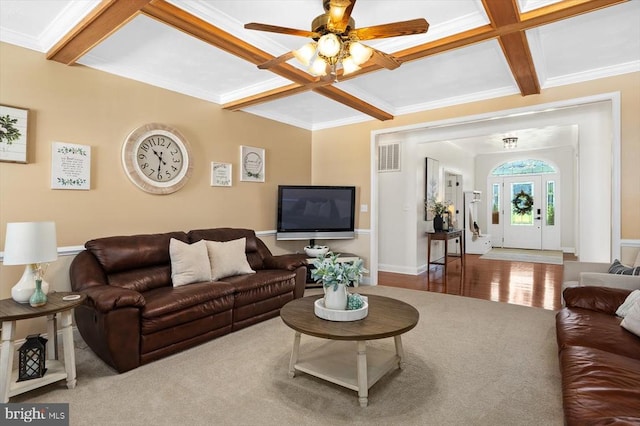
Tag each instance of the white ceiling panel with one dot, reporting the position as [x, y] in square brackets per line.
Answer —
[466, 72]
[306, 109]
[147, 50]
[605, 42]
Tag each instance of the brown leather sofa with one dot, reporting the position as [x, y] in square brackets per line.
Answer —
[133, 314]
[599, 360]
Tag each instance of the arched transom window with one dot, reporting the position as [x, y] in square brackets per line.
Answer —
[523, 167]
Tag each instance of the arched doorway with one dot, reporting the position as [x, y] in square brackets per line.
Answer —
[524, 205]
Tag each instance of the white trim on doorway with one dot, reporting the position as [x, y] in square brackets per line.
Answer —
[613, 97]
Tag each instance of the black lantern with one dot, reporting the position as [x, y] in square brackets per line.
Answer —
[32, 357]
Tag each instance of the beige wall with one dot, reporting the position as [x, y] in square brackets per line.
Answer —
[84, 106]
[352, 165]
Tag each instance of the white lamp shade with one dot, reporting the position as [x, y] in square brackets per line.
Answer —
[318, 67]
[30, 242]
[360, 53]
[305, 53]
[329, 45]
[349, 65]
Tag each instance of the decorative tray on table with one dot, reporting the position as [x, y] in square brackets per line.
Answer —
[340, 315]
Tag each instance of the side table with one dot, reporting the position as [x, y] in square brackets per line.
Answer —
[11, 312]
[444, 236]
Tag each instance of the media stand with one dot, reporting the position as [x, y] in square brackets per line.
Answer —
[344, 257]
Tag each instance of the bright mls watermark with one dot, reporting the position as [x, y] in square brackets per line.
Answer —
[34, 414]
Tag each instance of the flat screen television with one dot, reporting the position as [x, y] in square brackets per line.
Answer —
[307, 212]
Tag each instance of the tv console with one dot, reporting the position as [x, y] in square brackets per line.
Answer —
[344, 257]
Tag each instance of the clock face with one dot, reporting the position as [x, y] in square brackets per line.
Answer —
[157, 158]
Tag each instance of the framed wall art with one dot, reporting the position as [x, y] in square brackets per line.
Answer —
[13, 134]
[70, 166]
[252, 164]
[220, 174]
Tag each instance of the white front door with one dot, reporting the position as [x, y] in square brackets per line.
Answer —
[523, 203]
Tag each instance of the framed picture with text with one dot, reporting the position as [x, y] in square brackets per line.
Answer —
[13, 134]
[252, 164]
[220, 174]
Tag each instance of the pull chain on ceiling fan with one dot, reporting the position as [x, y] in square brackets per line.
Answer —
[336, 42]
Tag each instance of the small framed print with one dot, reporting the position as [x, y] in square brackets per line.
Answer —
[13, 134]
[251, 164]
[220, 174]
[70, 166]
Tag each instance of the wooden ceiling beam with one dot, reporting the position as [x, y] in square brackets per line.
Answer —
[514, 44]
[104, 20]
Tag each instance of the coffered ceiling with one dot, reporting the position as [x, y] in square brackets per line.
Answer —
[473, 50]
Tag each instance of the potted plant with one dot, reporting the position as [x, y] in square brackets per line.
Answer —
[335, 277]
[438, 208]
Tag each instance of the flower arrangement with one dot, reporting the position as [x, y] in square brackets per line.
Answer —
[333, 272]
[437, 207]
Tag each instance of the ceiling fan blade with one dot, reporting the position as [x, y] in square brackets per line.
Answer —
[339, 14]
[322, 81]
[281, 30]
[384, 59]
[395, 29]
[275, 61]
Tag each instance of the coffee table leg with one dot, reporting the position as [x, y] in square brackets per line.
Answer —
[363, 385]
[399, 351]
[294, 354]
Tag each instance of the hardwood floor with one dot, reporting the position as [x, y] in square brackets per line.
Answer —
[522, 283]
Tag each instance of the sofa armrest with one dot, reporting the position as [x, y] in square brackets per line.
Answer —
[290, 262]
[571, 270]
[599, 279]
[599, 299]
[88, 277]
[107, 298]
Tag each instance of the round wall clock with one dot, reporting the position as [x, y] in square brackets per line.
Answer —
[157, 158]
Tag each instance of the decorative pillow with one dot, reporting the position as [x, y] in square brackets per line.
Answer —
[632, 298]
[620, 269]
[228, 258]
[632, 321]
[189, 262]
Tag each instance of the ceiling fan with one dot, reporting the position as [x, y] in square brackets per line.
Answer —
[336, 42]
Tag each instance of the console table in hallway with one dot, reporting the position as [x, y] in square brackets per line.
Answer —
[444, 236]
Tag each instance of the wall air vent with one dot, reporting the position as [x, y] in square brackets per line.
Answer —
[389, 157]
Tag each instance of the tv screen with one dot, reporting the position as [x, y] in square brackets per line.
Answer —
[309, 212]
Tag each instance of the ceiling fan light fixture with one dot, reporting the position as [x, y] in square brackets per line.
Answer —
[329, 45]
[305, 53]
[318, 67]
[360, 53]
[349, 65]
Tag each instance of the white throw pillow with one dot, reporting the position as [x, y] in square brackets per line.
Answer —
[189, 262]
[228, 258]
[632, 298]
[632, 321]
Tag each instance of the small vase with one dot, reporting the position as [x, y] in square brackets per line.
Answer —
[438, 223]
[335, 297]
[38, 298]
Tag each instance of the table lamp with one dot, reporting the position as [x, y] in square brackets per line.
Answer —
[31, 244]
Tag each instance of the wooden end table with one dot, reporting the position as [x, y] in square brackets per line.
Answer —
[339, 361]
[444, 236]
[12, 311]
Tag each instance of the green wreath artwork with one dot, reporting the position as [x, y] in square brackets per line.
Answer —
[522, 203]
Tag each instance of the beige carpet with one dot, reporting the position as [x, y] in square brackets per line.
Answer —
[469, 362]
[521, 255]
